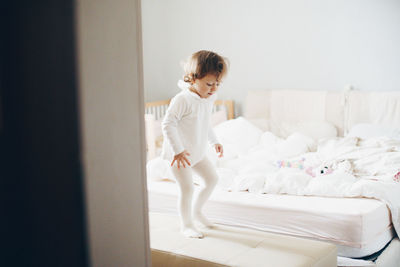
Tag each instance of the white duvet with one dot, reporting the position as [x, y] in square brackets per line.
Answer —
[260, 162]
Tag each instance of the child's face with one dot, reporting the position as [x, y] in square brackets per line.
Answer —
[206, 86]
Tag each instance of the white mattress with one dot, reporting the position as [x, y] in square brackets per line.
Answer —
[358, 226]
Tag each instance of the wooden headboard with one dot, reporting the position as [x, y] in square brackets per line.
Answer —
[158, 108]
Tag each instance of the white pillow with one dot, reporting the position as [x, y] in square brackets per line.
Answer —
[157, 128]
[315, 130]
[262, 124]
[369, 130]
[158, 170]
[237, 136]
[268, 140]
[296, 144]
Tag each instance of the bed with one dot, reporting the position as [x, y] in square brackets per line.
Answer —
[360, 221]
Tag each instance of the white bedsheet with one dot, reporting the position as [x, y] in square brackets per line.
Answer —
[359, 226]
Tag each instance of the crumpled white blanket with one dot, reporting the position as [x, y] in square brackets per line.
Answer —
[358, 168]
[374, 164]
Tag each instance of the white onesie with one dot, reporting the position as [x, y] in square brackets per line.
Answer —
[186, 125]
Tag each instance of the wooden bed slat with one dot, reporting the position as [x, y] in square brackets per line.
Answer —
[158, 108]
[157, 103]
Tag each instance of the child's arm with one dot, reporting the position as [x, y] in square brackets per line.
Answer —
[169, 124]
[212, 139]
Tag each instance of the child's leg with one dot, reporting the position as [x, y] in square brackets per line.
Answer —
[185, 181]
[206, 170]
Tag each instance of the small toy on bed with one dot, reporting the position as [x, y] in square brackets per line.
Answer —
[318, 171]
[396, 177]
[323, 169]
[299, 164]
[326, 168]
[291, 164]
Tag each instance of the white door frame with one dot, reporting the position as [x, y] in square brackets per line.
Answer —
[110, 67]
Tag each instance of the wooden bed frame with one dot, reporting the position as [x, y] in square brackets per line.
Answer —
[158, 108]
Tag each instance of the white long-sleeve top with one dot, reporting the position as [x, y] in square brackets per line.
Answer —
[186, 125]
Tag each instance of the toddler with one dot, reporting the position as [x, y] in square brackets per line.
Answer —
[186, 129]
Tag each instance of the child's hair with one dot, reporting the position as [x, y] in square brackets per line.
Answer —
[203, 63]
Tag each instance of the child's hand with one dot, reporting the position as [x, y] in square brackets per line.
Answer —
[181, 159]
[219, 149]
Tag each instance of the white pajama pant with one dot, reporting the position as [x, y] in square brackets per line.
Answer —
[184, 177]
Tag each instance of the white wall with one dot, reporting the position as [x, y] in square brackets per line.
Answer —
[111, 107]
[291, 44]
